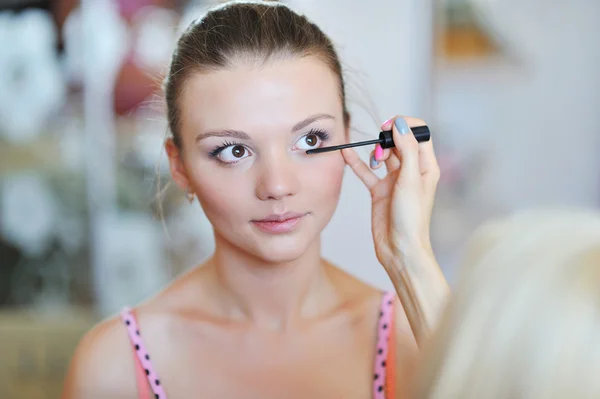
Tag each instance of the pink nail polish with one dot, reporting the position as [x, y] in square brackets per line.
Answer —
[386, 123]
[378, 152]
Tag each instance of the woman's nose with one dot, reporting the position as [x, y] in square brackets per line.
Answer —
[278, 178]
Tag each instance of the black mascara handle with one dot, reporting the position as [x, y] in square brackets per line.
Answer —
[421, 133]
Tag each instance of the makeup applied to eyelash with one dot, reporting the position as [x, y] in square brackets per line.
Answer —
[322, 135]
[386, 140]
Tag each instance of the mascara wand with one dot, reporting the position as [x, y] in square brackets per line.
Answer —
[385, 139]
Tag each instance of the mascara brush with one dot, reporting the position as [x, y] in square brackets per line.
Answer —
[385, 139]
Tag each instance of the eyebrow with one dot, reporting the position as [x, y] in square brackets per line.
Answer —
[240, 135]
[310, 120]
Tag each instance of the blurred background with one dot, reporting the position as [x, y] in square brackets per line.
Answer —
[510, 89]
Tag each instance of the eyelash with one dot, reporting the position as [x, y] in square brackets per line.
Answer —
[321, 134]
[217, 150]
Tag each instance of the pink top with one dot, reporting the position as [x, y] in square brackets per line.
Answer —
[383, 381]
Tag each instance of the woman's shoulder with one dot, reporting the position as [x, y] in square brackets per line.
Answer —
[103, 364]
[352, 287]
[360, 299]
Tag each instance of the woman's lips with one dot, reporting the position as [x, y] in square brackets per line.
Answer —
[279, 223]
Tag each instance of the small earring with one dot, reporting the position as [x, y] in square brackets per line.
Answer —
[190, 196]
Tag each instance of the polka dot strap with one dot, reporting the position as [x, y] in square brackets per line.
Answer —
[142, 354]
[384, 328]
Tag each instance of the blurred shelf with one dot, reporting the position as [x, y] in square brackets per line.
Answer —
[36, 347]
[41, 154]
[47, 152]
[466, 42]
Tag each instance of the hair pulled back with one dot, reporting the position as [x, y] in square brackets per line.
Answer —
[254, 32]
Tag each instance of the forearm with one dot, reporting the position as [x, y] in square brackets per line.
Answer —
[422, 289]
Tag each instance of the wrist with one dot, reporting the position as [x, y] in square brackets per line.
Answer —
[406, 250]
[421, 286]
[409, 261]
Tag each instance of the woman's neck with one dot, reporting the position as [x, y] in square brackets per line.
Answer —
[272, 295]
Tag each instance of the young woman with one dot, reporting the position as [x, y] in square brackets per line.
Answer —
[251, 87]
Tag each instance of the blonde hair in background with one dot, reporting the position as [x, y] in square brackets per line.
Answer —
[524, 321]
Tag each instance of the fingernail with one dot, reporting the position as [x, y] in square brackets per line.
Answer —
[384, 124]
[374, 162]
[401, 125]
[378, 152]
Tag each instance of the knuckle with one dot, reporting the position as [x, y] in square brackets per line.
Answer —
[412, 121]
[411, 143]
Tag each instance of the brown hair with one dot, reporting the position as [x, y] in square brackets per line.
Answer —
[248, 31]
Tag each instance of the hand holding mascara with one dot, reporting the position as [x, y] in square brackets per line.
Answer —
[385, 139]
[402, 197]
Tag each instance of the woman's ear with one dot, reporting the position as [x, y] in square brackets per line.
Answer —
[176, 165]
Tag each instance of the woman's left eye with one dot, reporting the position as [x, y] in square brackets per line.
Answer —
[311, 140]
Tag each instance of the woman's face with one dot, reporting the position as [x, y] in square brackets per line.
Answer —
[245, 132]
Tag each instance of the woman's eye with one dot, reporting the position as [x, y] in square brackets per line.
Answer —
[233, 154]
[309, 141]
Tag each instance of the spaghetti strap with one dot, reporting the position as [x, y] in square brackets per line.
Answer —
[146, 376]
[390, 375]
[384, 360]
[143, 388]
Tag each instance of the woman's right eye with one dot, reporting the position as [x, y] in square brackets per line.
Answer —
[233, 153]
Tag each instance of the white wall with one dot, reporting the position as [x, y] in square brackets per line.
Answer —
[543, 131]
[535, 120]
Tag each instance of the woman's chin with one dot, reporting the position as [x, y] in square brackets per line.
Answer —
[283, 250]
[276, 248]
[282, 254]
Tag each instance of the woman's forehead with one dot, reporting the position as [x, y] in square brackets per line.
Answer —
[279, 92]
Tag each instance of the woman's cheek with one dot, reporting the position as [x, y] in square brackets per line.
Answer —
[326, 175]
[221, 195]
